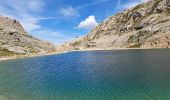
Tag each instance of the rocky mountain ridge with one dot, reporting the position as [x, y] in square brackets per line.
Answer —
[15, 40]
[145, 26]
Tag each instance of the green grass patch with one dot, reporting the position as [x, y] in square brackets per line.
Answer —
[136, 45]
[76, 43]
[6, 52]
[77, 49]
[167, 13]
[142, 33]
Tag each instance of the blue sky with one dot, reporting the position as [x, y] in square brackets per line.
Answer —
[59, 21]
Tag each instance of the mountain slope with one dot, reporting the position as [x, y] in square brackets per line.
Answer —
[14, 40]
[145, 26]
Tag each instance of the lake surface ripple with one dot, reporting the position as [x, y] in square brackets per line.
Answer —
[89, 75]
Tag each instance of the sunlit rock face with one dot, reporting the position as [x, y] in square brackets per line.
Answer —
[145, 26]
[14, 38]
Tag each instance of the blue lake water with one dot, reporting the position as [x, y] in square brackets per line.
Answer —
[90, 75]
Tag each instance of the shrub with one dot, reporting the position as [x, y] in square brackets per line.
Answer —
[6, 52]
[138, 45]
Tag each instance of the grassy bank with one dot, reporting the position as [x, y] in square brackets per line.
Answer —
[5, 52]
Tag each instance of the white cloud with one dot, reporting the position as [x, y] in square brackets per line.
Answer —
[74, 12]
[30, 24]
[68, 12]
[26, 12]
[88, 23]
[57, 38]
[23, 11]
[36, 5]
[130, 4]
[97, 2]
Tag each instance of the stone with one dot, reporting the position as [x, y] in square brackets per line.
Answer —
[136, 15]
[138, 27]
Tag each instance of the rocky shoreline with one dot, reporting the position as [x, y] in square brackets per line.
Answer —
[94, 49]
[24, 56]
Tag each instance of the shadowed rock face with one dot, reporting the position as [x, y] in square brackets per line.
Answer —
[168, 4]
[14, 38]
[136, 15]
[145, 26]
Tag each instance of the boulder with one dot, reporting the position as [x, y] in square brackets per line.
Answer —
[136, 15]
[138, 27]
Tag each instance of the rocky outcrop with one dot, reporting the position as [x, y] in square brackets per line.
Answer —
[136, 15]
[146, 25]
[14, 39]
[168, 4]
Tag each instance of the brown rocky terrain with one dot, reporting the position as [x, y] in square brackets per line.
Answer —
[145, 26]
[14, 40]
